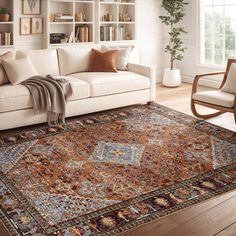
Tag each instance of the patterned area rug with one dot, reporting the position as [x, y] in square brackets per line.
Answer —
[105, 173]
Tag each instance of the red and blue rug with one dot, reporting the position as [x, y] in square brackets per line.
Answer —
[105, 173]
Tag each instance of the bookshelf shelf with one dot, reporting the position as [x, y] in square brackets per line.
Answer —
[108, 22]
[126, 22]
[61, 23]
[6, 22]
[127, 3]
[84, 22]
[7, 46]
[108, 3]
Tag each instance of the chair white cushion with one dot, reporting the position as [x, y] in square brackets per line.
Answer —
[230, 84]
[74, 59]
[18, 97]
[106, 83]
[45, 60]
[19, 70]
[219, 98]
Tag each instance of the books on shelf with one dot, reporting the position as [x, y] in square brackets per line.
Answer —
[59, 17]
[56, 37]
[82, 33]
[112, 33]
[6, 38]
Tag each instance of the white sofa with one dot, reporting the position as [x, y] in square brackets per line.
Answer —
[93, 91]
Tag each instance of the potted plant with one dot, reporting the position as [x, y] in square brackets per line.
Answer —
[4, 14]
[174, 14]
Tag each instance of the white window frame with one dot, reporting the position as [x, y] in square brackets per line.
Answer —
[201, 41]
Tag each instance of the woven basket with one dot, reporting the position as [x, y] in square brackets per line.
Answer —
[4, 17]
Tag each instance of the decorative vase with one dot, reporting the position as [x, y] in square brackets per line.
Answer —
[171, 78]
[4, 17]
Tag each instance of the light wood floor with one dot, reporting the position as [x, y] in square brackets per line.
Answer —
[216, 217]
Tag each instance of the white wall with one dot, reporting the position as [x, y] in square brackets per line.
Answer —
[150, 34]
[26, 42]
[190, 66]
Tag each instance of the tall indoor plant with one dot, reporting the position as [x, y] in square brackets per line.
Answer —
[174, 14]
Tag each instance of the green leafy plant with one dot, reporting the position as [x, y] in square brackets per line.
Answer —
[174, 14]
[3, 10]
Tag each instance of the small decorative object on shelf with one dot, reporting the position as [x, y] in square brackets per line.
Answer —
[4, 14]
[108, 17]
[80, 17]
[124, 17]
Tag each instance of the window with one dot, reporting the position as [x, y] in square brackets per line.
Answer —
[218, 31]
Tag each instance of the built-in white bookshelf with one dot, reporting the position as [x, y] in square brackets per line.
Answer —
[90, 21]
[117, 20]
[7, 27]
[70, 22]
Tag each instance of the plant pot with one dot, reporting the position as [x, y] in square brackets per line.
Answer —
[4, 17]
[171, 78]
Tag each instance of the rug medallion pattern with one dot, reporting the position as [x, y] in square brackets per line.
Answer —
[104, 173]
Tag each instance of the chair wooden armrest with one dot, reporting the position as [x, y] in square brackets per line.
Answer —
[205, 102]
[197, 77]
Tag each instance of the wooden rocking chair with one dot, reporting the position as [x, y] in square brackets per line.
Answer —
[223, 99]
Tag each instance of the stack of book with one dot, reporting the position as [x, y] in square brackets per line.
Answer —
[56, 37]
[59, 17]
[6, 38]
[82, 33]
[112, 33]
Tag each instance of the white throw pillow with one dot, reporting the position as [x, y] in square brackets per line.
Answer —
[230, 84]
[19, 70]
[122, 56]
[8, 56]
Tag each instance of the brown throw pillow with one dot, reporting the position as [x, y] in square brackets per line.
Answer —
[102, 61]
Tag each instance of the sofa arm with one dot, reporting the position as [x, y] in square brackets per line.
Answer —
[148, 71]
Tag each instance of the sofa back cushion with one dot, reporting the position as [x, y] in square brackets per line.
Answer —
[44, 60]
[74, 59]
[230, 84]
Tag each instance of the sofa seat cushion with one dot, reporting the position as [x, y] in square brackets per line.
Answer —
[18, 97]
[219, 98]
[107, 83]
